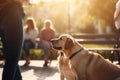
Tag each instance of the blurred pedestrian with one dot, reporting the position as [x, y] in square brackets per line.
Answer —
[117, 16]
[11, 33]
[117, 25]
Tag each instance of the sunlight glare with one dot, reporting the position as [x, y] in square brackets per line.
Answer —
[34, 1]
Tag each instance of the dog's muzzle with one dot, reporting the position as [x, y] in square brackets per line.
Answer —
[53, 46]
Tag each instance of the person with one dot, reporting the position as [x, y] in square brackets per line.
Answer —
[117, 16]
[117, 25]
[45, 35]
[30, 35]
[11, 33]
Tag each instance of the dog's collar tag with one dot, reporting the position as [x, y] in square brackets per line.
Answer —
[75, 53]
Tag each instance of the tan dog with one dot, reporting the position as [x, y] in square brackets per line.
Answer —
[88, 65]
[65, 68]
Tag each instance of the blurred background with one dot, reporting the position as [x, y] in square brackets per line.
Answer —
[74, 16]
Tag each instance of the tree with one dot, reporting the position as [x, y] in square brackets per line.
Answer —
[103, 9]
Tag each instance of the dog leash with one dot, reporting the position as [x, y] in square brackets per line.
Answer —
[75, 53]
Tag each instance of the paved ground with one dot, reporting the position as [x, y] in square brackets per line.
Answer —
[36, 71]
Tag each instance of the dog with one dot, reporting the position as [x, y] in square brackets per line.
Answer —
[66, 72]
[88, 65]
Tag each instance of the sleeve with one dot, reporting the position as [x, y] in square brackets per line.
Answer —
[117, 10]
[31, 35]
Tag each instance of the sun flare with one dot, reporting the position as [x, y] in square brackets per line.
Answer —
[34, 1]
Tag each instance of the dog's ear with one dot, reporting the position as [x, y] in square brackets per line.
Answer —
[69, 43]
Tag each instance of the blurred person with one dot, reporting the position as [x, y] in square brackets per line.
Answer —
[117, 25]
[11, 33]
[117, 16]
[30, 35]
[45, 35]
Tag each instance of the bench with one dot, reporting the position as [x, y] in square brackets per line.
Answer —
[50, 55]
[101, 39]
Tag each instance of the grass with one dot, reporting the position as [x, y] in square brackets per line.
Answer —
[105, 54]
[98, 46]
[38, 54]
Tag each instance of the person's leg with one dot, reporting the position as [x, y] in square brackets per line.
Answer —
[12, 38]
[27, 46]
[18, 73]
[118, 46]
[45, 49]
[118, 53]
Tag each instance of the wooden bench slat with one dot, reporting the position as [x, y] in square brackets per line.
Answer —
[96, 39]
[84, 41]
[96, 36]
[105, 49]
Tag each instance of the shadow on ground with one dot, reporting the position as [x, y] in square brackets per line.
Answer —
[41, 72]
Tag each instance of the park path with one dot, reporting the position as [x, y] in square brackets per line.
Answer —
[36, 71]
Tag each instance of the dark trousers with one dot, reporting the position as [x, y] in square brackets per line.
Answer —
[118, 46]
[27, 46]
[11, 33]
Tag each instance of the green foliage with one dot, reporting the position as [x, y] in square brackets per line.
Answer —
[38, 54]
[78, 15]
[39, 24]
[103, 9]
[105, 54]
[87, 24]
[98, 46]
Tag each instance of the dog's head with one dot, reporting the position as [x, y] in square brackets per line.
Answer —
[63, 42]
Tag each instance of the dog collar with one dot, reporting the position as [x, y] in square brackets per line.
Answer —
[75, 53]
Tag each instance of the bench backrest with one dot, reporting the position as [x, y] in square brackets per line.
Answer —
[97, 38]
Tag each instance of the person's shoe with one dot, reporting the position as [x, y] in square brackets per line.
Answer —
[26, 64]
[118, 63]
[45, 64]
